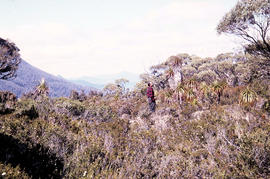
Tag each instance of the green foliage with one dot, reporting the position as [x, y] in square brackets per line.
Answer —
[7, 171]
[204, 88]
[261, 87]
[249, 19]
[7, 102]
[26, 108]
[73, 107]
[207, 76]
[140, 88]
[9, 59]
[170, 73]
[117, 88]
[190, 95]
[121, 83]
[248, 96]
[111, 89]
[218, 86]
[266, 106]
[188, 71]
[101, 145]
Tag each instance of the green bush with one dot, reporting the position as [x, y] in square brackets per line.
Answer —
[266, 106]
[7, 102]
[72, 107]
[7, 171]
[26, 108]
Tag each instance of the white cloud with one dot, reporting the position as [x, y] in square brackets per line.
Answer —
[179, 27]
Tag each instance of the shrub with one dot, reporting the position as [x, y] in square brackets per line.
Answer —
[7, 102]
[68, 106]
[26, 108]
[266, 106]
[8, 171]
[207, 76]
[74, 95]
[118, 137]
[75, 108]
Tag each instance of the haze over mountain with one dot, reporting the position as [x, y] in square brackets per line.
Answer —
[29, 76]
[100, 81]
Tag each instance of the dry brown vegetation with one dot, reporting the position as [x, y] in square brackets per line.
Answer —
[204, 128]
[212, 118]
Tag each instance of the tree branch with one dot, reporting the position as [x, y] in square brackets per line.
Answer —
[246, 36]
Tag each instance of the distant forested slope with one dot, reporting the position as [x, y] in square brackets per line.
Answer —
[28, 77]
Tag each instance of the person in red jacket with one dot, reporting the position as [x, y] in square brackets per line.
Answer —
[151, 97]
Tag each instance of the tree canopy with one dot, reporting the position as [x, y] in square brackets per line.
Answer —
[9, 59]
[118, 87]
[250, 20]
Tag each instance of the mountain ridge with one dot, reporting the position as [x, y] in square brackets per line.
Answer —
[100, 81]
[29, 76]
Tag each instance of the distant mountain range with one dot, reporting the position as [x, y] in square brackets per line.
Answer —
[28, 77]
[100, 81]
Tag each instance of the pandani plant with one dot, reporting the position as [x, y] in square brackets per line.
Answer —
[169, 73]
[42, 88]
[180, 90]
[248, 97]
[218, 87]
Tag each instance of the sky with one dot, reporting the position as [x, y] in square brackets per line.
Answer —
[75, 38]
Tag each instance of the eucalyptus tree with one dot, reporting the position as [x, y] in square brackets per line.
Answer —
[111, 89]
[9, 59]
[250, 20]
[158, 76]
[121, 84]
[174, 63]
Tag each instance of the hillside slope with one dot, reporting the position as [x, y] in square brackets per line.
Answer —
[28, 77]
[201, 129]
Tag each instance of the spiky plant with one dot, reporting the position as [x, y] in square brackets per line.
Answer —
[248, 96]
[204, 88]
[190, 95]
[180, 89]
[217, 88]
[169, 73]
[224, 84]
[168, 95]
[42, 88]
[191, 83]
